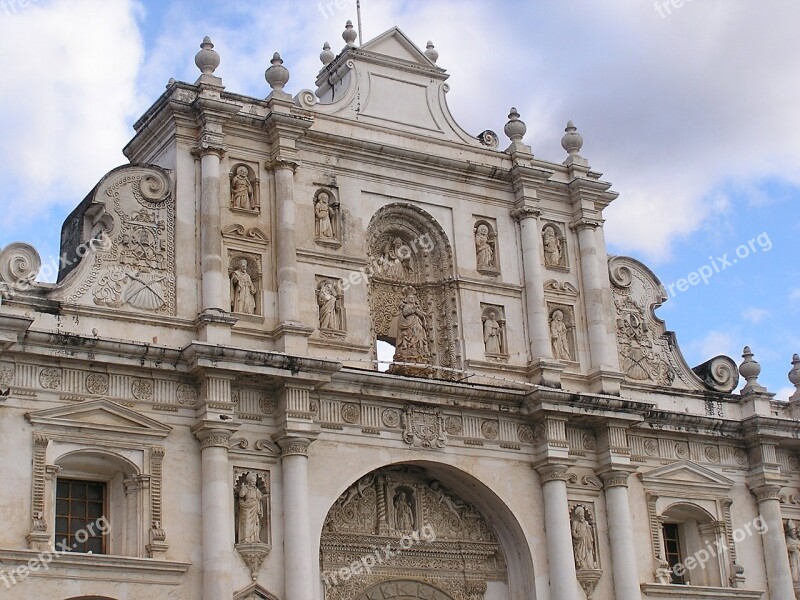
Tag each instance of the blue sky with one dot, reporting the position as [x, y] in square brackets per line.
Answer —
[690, 112]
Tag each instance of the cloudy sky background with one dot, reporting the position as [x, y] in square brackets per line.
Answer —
[692, 112]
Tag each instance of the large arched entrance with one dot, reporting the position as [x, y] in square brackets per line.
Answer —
[405, 530]
[404, 590]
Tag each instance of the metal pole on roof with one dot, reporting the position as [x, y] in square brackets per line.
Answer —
[358, 12]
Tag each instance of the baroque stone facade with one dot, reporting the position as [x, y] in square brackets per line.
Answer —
[198, 406]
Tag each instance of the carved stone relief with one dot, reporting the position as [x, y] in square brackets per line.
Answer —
[411, 267]
[436, 536]
[244, 270]
[486, 250]
[331, 310]
[136, 266]
[793, 547]
[495, 338]
[327, 219]
[245, 189]
[424, 427]
[562, 332]
[554, 245]
[584, 545]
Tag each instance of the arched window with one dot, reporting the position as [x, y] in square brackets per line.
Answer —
[692, 545]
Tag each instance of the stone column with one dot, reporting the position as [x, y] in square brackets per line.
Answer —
[211, 264]
[620, 533]
[297, 558]
[217, 510]
[779, 573]
[286, 246]
[560, 557]
[544, 369]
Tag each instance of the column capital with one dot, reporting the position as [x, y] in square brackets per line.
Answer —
[207, 146]
[282, 163]
[291, 445]
[213, 434]
[766, 492]
[553, 472]
[585, 223]
[525, 209]
[615, 478]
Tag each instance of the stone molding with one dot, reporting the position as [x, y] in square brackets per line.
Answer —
[213, 435]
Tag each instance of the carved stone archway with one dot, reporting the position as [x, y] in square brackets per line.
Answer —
[410, 252]
[404, 590]
[411, 535]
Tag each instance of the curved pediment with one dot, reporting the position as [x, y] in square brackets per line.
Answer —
[648, 353]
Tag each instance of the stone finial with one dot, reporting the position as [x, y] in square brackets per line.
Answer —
[349, 36]
[515, 128]
[794, 378]
[572, 141]
[207, 60]
[277, 75]
[432, 53]
[750, 370]
[326, 56]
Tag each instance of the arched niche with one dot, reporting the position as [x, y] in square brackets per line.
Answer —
[411, 257]
[468, 541]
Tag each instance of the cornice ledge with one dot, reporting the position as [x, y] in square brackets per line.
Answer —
[201, 356]
[544, 398]
[758, 427]
[657, 417]
[91, 562]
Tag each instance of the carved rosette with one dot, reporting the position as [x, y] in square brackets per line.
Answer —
[424, 427]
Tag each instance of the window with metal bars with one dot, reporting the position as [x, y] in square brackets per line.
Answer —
[79, 505]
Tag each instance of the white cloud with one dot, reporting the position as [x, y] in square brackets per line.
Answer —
[755, 315]
[784, 393]
[794, 294]
[713, 344]
[68, 90]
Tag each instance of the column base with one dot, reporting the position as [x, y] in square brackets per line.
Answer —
[214, 326]
[546, 372]
[603, 380]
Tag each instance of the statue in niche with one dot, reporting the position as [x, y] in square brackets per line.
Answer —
[793, 546]
[242, 193]
[244, 291]
[322, 213]
[492, 335]
[396, 260]
[251, 511]
[583, 540]
[330, 311]
[484, 249]
[553, 247]
[404, 515]
[412, 336]
[559, 335]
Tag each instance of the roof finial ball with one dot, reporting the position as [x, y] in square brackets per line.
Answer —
[750, 370]
[572, 141]
[326, 56]
[277, 76]
[515, 128]
[349, 35]
[207, 60]
[432, 53]
[794, 377]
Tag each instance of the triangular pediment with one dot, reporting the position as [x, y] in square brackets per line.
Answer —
[98, 415]
[685, 474]
[254, 592]
[396, 44]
